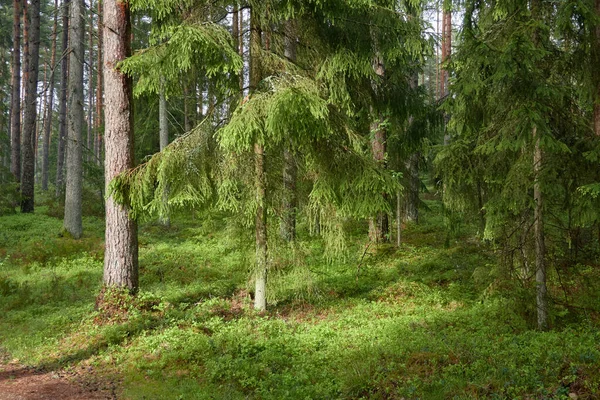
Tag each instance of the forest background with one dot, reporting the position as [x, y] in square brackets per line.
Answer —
[335, 199]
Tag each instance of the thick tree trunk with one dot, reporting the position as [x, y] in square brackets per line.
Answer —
[15, 110]
[27, 175]
[62, 113]
[260, 295]
[73, 192]
[121, 252]
[411, 200]
[290, 198]
[48, 125]
[99, 88]
[540, 246]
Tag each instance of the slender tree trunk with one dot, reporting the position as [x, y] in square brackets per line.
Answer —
[121, 252]
[187, 126]
[40, 124]
[27, 176]
[411, 201]
[260, 295]
[99, 88]
[540, 246]
[398, 218]
[90, 117]
[378, 225]
[74, 188]
[15, 110]
[48, 125]
[241, 48]
[163, 123]
[594, 67]
[290, 198]
[62, 113]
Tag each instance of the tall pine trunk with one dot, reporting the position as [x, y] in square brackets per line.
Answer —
[15, 108]
[260, 294]
[50, 101]
[99, 88]
[27, 175]
[290, 197]
[74, 187]
[62, 113]
[90, 100]
[121, 252]
[163, 124]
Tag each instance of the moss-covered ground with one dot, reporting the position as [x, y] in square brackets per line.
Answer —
[434, 319]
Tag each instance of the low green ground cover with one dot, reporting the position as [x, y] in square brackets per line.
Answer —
[434, 319]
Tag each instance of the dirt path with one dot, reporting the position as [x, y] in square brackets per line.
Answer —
[18, 382]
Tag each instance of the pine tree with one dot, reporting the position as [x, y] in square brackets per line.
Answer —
[121, 252]
[50, 105]
[15, 109]
[29, 118]
[74, 186]
[62, 113]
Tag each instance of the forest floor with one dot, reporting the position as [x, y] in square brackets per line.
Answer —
[437, 318]
[19, 382]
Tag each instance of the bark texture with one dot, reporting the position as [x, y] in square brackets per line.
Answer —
[260, 294]
[121, 252]
[62, 113]
[50, 105]
[15, 108]
[29, 119]
[74, 187]
[99, 87]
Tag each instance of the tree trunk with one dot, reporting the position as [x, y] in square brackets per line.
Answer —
[121, 253]
[411, 200]
[27, 175]
[99, 88]
[595, 59]
[90, 117]
[163, 123]
[62, 113]
[290, 198]
[260, 295]
[73, 192]
[446, 49]
[15, 110]
[48, 125]
[379, 225]
[398, 218]
[540, 246]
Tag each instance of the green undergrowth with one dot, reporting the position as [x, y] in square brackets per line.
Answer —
[429, 320]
